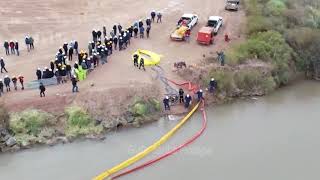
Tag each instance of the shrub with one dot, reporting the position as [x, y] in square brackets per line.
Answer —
[77, 117]
[224, 79]
[275, 7]
[80, 123]
[4, 117]
[29, 122]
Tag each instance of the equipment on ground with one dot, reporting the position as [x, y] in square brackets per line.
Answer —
[150, 58]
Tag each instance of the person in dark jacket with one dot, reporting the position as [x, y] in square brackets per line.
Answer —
[140, 23]
[130, 29]
[99, 34]
[166, 103]
[65, 48]
[114, 29]
[148, 21]
[52, 65]
[27, 41]
[21, 80]
[135, 60]
[159, 17]
[74, 84]
[57, 75]
[120, 43]
[141, 30]
[11, 44]
[42, 89]
[104, 30]
[153, 15]
[119, 28]
[115, 42]
[75, 47]
[68, 69]
[135, 31]
[181, 95]
[200, 95]
[142, 64]
[16, 47]
[187, 101]
[2, 65]
[6, 47]
[148, 31]
[7, 82]
[1, 87]
[70, 53]
[31, 42]
[212, 85]
[94, 35]
[14, 81]
[39, 73]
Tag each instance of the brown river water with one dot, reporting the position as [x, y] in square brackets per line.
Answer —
[275, 137]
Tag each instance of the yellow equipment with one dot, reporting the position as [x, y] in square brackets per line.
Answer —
[150, 58]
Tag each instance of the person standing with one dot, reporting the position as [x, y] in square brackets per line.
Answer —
[166, 103]
[21, 80]
[141, 32]
[115, 42]
[70, 53]
[42, 89]
[135, 60]
[65, 48]
[159, 17]
[74, 84]
[75, 47]
[27, 41]
[212, 85]
[39, 73]
[7, 82]
[14, 81]
[200, 95]
[104, 30]
[16, 47]
[135, 31]
[2, 64]
[142, 64]
[148, 30]
[11, 44]
[181, 95]
[6, 47]
[188, 101]
[1, 87]
[153, 15]
[31, 42]
[187, 35]
[114, 29]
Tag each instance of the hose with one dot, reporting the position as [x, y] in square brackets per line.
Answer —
[160, 75]
[173, 151]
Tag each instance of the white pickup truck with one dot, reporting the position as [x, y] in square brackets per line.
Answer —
[189, 19]
[216, 23]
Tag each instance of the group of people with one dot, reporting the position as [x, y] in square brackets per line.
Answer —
[99, 50]
[187, 99]
[6, 82]
[11, 47]
[29, 42]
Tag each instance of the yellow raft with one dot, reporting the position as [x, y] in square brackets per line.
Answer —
[150, 58]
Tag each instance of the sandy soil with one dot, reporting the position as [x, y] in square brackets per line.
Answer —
[56, 21]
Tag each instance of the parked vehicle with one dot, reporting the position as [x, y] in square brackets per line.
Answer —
[185, 24]
[232, 5]
[189, 20]
[205, 35]
[215, 22]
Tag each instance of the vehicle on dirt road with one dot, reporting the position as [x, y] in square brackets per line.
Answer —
[205, 35]
[185, 24]
[232, 5]
[216, 23]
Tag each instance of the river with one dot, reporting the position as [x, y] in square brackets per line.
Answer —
[275, 137]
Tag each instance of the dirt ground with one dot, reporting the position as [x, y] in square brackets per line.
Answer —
[52, 23]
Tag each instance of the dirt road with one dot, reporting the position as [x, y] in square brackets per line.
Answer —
[52, 23]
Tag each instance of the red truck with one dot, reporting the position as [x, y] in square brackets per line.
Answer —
[205, 35]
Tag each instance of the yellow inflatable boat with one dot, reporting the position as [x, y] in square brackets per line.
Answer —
[150, 58]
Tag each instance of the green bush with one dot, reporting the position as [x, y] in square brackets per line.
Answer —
[276, 7]
[80, 123]
[4, 117]
[224, 79]
[29, 122]
[77, 117]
